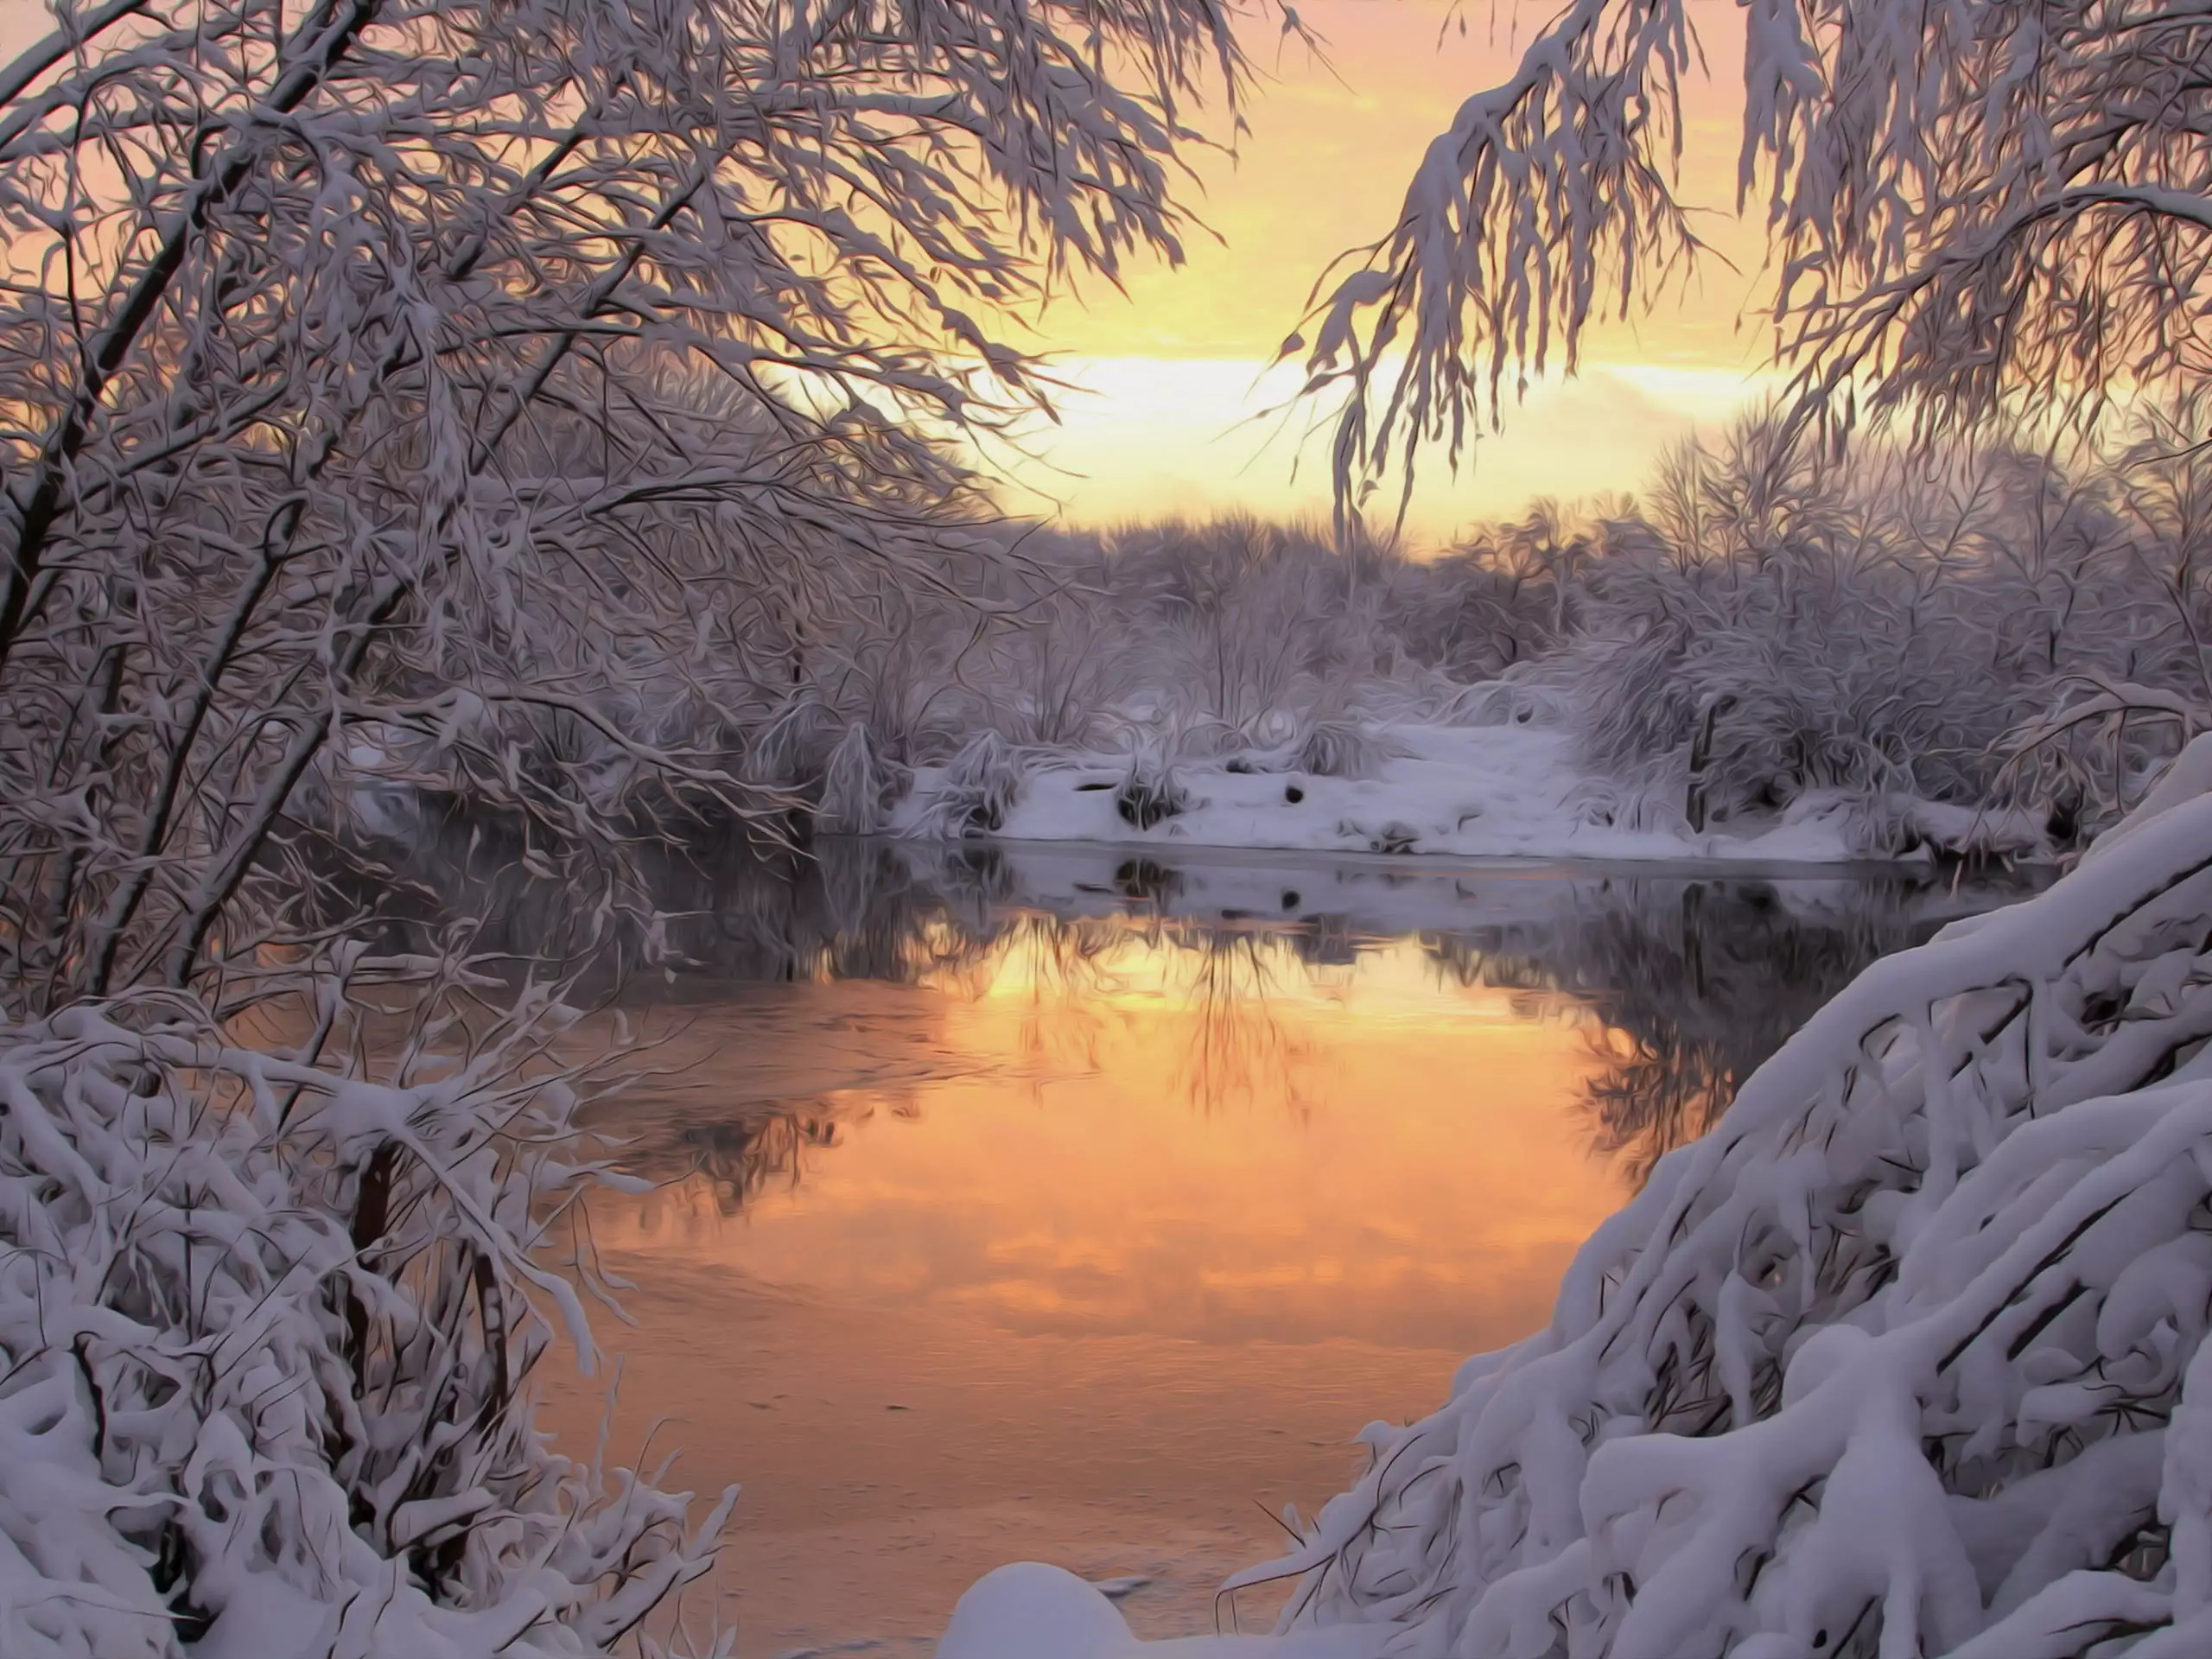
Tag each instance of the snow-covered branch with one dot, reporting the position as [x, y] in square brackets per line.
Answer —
[1906, 1356]
[1972, 206]
[264, 1326]
[1547, 203]
[523, 350]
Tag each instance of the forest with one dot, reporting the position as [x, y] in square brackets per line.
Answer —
[553, 424]
[1984, 655]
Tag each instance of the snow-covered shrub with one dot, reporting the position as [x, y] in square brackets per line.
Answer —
[792, 747]
[1907, 1356]
[1151, 794]
[858, 786]
[979, 788]
[264, 1332]
[1507, 594]
[1234, 606]
[1872, 626]
[1240, 622]
[1343, 748]
[1063, 659]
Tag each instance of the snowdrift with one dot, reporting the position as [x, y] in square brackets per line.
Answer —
[1030, 1611]
[1906, 1356]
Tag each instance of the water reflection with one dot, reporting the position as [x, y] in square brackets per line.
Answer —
[1688, 981]
[736, 1158]
[1061, 1201]
[1694, 983]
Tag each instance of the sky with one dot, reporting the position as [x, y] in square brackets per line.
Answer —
[1171, 377]
[1172, 380]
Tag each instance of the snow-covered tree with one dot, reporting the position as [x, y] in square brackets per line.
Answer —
[483, 396]
[1908, 1355]
[450, 389]
[1967, 203]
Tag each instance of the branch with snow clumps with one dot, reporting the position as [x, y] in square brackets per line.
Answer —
[263, 1332]
[1906, 1356]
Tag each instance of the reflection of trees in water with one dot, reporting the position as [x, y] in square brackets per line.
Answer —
[723, 909]
[1693, 981]
[740, 1157]
[1696, 982]
[1661, 1093]
[1224, 980]
[1242, 1048]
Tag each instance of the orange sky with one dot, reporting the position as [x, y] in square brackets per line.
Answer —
[1172, 367]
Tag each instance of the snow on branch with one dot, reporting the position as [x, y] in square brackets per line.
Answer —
[264, 1332]
[1906, 1356]
[1975, 207]
[1547, 203]
[563, 366]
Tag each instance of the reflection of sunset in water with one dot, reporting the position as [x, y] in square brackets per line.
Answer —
[1076, 1250]
[1212, 1146]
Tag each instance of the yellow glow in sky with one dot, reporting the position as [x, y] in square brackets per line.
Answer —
[1170, 379]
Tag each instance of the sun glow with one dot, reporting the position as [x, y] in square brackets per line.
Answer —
[1177, 404]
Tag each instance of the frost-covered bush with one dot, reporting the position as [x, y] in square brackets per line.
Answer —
[1775, 624]
[1343, 748]
[1150, 795]
[979, 788]
[1507, 595]
[858, 786]
[1243, 623]
[266, 1328]
[1907, 1356]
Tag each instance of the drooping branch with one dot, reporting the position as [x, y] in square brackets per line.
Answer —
[548, 340]
[1974, 209]
[1550, 202]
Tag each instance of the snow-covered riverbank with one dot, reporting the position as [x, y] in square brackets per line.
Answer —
[1504, 790]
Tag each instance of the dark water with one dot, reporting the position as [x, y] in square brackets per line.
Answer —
[1078, 1204]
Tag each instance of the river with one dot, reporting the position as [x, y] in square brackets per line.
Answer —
[1080, 1204]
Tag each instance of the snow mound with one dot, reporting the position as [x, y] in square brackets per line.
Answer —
[1030, 1611]
[1906, 1357]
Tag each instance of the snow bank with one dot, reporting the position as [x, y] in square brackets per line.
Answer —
[1504, 791]
[1906, 1356]
[263, 1327]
